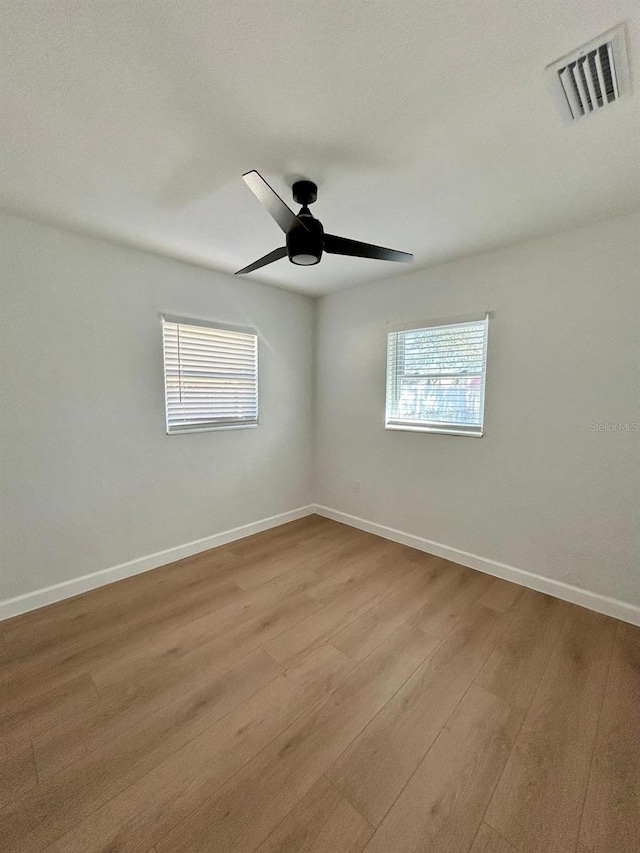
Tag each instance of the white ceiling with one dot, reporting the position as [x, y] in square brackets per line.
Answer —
[426, 124]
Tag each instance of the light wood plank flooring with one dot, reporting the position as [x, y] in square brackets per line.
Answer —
[316, 689]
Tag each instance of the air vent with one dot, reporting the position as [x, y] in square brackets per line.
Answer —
[590, 78]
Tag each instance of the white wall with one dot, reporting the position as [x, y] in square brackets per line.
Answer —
[542, 491]
[89, 477]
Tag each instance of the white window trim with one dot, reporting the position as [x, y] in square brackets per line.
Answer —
[210, 324]
[412, 325]
[438, 427]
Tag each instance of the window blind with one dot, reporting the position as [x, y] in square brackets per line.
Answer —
[436, 378]
[211, 376]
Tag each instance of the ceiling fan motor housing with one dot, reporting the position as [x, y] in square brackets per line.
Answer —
[304, 192]
[305, 245]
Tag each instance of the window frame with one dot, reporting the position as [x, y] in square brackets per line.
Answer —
[211, 426]
[437, 427]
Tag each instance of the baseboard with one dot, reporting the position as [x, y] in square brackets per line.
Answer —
[567, 592]
[50, 594]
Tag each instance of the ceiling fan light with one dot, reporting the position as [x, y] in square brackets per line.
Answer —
[304, 260]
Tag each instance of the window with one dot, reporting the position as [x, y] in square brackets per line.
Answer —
[210, 375]
[436, 378]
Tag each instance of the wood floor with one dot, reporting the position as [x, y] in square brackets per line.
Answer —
[316, 689]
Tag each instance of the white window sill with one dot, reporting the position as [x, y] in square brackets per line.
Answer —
[215, 428]
[434, 429]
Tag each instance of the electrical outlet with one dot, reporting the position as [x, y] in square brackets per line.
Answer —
[356, 486]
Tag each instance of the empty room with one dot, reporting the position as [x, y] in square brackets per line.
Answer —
[320, 426]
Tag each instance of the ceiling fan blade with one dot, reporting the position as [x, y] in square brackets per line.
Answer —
[342, 246]
[268, 197]
[268, 259]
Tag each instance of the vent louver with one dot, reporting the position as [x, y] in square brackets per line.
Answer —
[591, 77]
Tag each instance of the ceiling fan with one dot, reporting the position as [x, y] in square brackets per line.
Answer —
[305, 236]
